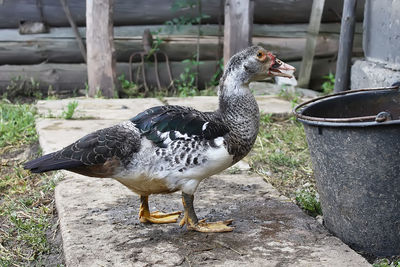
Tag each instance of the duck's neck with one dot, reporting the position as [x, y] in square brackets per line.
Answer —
[239, 111]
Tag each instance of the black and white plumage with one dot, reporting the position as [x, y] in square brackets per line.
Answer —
[169, 148]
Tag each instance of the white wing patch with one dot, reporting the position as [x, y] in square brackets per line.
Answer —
[204, 126]
[184, 136]
[164, 137]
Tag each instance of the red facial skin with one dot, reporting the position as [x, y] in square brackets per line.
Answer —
[273, 58]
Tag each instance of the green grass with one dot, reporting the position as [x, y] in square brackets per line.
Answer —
[17, 124]
[387, 263]
[280, 155]
[26, 199]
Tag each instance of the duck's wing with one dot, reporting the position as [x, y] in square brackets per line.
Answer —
[164, 124]
[97, 154]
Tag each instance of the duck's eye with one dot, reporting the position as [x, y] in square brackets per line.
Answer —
[260, 55]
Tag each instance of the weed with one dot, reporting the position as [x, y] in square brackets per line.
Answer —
[308, 199]
[86, 89]
[329, 84]
[156, 44]
[186, 84]
[99, 93]
[129, 89]
[387, 263]
[71, 108]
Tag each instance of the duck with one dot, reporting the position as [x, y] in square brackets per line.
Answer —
[172, 148]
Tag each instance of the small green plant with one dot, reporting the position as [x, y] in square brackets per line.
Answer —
[99, 93]
[387, 263]
[129, 89]
[86, 89]
[308, 199]
[156, 43]
[186, 84]
[329, 84]
[71, 108]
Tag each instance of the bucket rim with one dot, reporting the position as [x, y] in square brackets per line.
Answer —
[350, 122]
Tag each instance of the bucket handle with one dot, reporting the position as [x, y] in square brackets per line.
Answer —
[296, 110]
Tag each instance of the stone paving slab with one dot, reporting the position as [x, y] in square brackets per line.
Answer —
[99, 217]
[100, 227]
[105, 109]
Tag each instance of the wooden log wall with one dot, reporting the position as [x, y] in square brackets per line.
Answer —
[151, 12]
[60, 45]
[66, 78]
[70, 77]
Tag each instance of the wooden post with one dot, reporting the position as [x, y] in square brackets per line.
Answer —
[238, 26]
[342, 81]
[311, 42]
[100, 47]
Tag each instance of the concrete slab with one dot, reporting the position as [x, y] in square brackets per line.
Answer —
[105, 109]
[100, 227]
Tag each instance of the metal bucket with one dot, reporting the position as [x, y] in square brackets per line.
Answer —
[354, 142]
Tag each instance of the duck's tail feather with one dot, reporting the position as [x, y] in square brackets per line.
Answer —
[50, 163]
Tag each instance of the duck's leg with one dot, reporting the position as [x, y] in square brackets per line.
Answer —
[155, 217]
[192, 223]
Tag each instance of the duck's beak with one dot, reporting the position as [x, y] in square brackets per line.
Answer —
[280, 68]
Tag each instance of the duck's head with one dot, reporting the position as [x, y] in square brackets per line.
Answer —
[255, 64]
